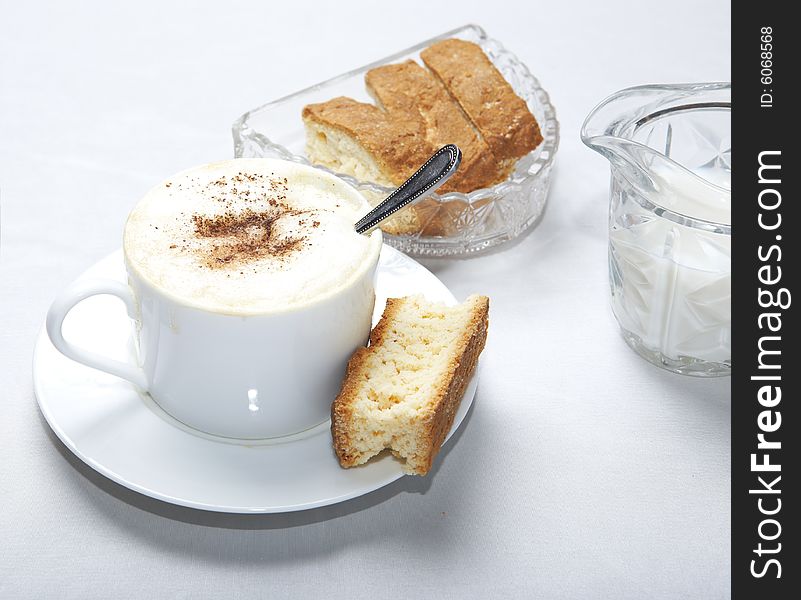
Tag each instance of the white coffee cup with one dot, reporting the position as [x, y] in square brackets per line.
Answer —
[240, 374]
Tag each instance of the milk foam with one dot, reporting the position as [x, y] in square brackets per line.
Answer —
[249, 236]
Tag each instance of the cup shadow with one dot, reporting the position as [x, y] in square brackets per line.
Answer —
[406, 484]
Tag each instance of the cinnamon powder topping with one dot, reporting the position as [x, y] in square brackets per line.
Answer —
[245, 232]
[245, 236]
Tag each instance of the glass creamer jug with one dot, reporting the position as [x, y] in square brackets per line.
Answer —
[670, 221]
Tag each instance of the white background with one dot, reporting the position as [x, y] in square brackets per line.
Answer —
[582, 472]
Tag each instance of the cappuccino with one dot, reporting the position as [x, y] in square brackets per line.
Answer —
[249, 236]
[249, 290]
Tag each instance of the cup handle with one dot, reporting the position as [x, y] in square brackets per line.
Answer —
[77, 292]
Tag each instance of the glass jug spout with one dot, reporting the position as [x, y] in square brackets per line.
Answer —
[672, 143]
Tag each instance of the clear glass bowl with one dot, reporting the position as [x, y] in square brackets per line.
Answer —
[474, 222]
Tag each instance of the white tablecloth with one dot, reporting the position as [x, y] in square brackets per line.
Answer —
[583, 471]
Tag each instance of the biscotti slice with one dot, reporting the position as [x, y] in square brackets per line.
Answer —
[412, 92]
[500, 115]
[402, 392]
[361, 140]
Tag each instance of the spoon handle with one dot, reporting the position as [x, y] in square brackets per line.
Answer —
[428, 178]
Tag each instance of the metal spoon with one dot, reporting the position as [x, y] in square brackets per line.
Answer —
[434, 172]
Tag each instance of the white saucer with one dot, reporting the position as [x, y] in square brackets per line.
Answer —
[129, 439]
